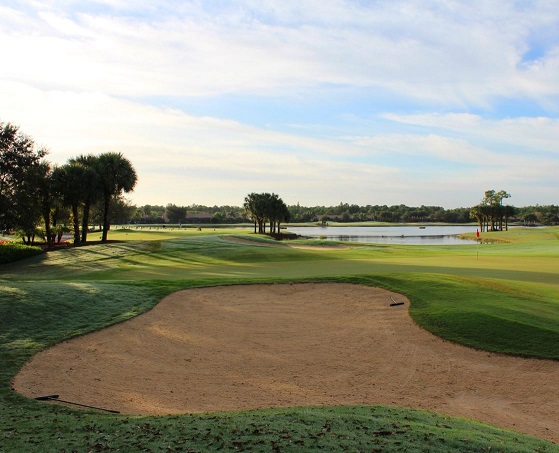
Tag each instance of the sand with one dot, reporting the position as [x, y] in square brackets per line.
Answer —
[260, 346]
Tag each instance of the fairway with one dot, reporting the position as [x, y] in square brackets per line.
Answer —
[261, 346]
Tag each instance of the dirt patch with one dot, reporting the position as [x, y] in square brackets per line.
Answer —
[259, 346]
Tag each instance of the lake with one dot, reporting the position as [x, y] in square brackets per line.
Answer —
[414, 235]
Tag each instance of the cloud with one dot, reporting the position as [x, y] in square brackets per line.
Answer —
[89, 77]
[179, 156]
[451, 54]
[523, 134]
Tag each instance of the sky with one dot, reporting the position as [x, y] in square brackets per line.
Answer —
[368, 102]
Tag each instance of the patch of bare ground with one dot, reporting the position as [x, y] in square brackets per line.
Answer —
[259, 346]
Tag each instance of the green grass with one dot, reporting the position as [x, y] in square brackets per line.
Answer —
[507, 300]
[501, 317]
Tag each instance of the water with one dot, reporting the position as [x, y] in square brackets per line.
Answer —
[412, 235]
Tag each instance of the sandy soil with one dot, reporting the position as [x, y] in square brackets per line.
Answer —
[249, 347]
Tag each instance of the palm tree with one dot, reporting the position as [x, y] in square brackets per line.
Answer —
[262, 207]
[283, 215]
[89, 187]
[277, 213]
[252, 207]
[508, 212]
[477, 213]
[69, 181]
[116, 175]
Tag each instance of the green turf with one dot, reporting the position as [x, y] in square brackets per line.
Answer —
[506, 300]
[485, 314]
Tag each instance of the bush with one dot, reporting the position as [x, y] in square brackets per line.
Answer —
[13, 251]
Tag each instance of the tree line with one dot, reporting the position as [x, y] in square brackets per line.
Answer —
[39, 198]
[344, 212]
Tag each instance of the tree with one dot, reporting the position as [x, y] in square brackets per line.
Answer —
[491, 213]
[69, 179]
[28, 209]
[276, 212]
[150, 214]
[46, 192]
[116, 175]
[251, 209]
[266, 207]
[89, 188]
[122, 210]
[175, 214]
[530, 219]
[60, 217]
[508, 212]
[219, 217]
[477, 213]
[281, 214]
[18, 155]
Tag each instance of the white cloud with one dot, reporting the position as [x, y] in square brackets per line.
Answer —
[539, 134]
[178, 156]
[454, 54]
[81, 76]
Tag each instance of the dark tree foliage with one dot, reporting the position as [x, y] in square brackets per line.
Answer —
[378, 213]
[19, 159]
[539, 215]
[150, 214]
[121, 212]
[89, 188]
[174, 213]
[69, 181]
[543, 215]
[491, 214]
[266, 207]
[116, 175]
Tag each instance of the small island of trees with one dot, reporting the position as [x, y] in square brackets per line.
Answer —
[491, 214]
[266, 207]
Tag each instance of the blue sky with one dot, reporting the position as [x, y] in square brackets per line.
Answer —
[321, 101]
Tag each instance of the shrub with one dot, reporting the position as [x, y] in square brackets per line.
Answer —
[13, 251]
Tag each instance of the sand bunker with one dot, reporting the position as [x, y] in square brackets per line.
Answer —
[260, 346]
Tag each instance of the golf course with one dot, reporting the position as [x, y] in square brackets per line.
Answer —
[219, 339]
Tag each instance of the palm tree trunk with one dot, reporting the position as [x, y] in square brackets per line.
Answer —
[46, 218]
[106, 218]
[85, 221]
[76, 224]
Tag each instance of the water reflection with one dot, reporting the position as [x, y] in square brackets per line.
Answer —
[430, 235]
